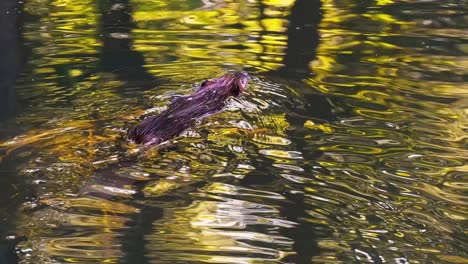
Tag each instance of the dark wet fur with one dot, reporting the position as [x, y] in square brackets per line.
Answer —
[183, 112]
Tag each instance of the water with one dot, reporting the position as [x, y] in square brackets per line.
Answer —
[349, 147]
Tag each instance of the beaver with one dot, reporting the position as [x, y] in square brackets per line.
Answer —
[184, 111]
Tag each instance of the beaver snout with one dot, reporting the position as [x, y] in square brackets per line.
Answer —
[243, 81]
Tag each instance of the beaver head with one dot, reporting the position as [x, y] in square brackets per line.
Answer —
[232, 84]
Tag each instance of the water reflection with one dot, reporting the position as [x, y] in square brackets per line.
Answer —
[303, 36]
[215, 231]
[11, 62]
[117, 54]
[11, 54]
[349, 146]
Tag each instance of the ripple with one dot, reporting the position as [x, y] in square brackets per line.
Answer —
[271, 140]
[281, 154]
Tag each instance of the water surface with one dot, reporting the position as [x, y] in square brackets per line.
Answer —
[350, 145]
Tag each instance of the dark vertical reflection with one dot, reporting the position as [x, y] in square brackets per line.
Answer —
[10, 54]
[117, 54]
[134, 242]
[305, 235]
[10, 67]
[303, 40]
[303, 36]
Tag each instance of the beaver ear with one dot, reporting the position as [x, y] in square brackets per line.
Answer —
[205, 83]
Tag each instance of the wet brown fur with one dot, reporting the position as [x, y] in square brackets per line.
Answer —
[183, 112]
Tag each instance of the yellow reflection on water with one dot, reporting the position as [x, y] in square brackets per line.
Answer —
[214, 231]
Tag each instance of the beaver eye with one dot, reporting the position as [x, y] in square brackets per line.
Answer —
[204, 83]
